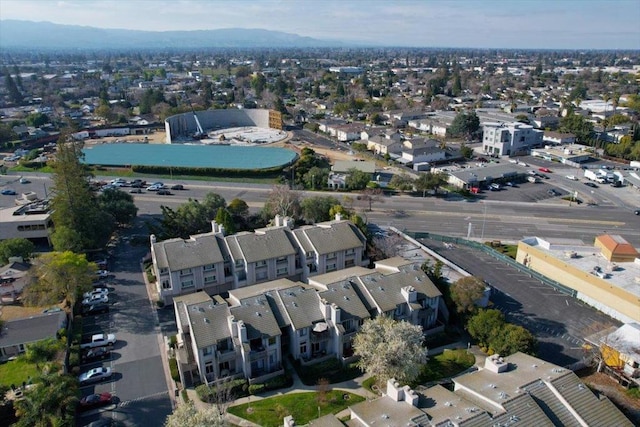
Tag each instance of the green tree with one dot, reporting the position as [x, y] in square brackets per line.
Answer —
[511, 339]
[481, 326]
[51, 404]
[402, 182]
[66, 239]
[465, 292]
[238, 208]
[465, 124]
[390, 349]
[317, 209]
[466, 151]
[187, 415]
[189, 218]
[14, 93]
[357, 179]
[224, 218]
[258, 83]
[6, 133]
[74, 204]
[577, 125]
[37, 119]
[17, 247]
[42, 351]
[429, 181]
[60, 276]
[118, 204]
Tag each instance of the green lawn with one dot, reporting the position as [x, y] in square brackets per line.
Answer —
[17, 371]
[445, 365]
[302, 406]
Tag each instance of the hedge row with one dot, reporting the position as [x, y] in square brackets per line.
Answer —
[163, 170]
[209, 394]
[173, 367]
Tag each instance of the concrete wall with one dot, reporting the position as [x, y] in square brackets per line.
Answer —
[613, 300]
[184, 125]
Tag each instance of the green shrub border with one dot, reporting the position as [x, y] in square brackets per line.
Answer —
[225, 172]
[173, 368]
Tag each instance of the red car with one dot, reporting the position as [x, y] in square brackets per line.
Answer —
[547, 170]
[96, 400]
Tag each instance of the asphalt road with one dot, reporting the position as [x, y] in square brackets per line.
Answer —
[558, 321]
[139, 380]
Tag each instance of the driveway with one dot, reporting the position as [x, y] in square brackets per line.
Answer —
[139, 379]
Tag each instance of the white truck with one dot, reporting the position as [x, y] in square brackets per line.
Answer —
[596, 176]
[98, 340]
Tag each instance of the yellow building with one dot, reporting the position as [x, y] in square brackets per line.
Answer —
[606, 275]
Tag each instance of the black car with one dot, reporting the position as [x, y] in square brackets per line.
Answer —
[591, 184]
[177, 187]
[552, 192]
[95, 309]
[637, 212]
[164, 192]
[94, 354]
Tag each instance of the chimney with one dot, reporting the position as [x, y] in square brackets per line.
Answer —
[394, 391]
[152, 238]
[409, 294]
[410, 396]
[335, 314]
[338, 216]
[288, 222]
[278, 220]
[214, 226]
[221, 229]
[242, 331]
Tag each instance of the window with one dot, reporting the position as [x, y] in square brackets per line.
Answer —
[281, 259]
[207, 351]
[166, 284]
[331, 255]
[224, 366]
[187, 284]
[350, 251]
[312, 268]
[261, 275]
[210, 279]
[310, 254]
[331, 267]
[261, 263]
[282, 271]
[164, 270]
[349, 263]
[185, 272]
[239, 263]
[223, 345]
[303, 349]
[303, 332]
[208, 267]
[208, 368]
[272, 340]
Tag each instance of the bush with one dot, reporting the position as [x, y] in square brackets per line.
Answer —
[160, 304]
[173, 341]
[281, 381]
[238, 389]
[256, 388]
[330, 369]
[185, 396]
[173, 367]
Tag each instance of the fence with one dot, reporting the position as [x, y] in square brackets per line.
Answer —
[501, 257]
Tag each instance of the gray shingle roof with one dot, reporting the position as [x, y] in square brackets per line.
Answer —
[333, 236]
[32, 329]
[179, 254]
[344, 295]
[258, 317]
[267, 244]
[302, 306]
[209, 323]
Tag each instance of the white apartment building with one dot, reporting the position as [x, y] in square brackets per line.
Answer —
[510, 139]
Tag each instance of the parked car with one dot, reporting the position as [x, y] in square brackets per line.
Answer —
[552, 192]
[591, 184]
[94, 375]
[98, 340]
[96, 292]
[96, 299]
[8, 192]
[154, 188]
[546, 170]
[96, 400]
[495, 187]
[93, 354]
[136, 190]
[177, 187]
[571, 177]
[510, 184]
[163, 192]
[102, 274]
[24, 181]
[92, 309]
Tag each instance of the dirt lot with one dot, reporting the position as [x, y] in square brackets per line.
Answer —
[10, 312]
[607, 386]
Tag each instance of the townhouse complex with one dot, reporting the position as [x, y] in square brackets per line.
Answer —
[216, 263]
[248, 333]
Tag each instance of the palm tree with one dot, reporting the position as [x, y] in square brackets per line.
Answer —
[51, 402]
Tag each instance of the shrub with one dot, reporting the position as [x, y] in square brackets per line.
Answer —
[256, 388]
[185, 396]
[160, 304]
[281, 381]
[173, 367]
[173, 341]
[237, 388]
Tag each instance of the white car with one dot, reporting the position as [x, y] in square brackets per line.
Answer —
[97, 291]
[95, 374]
[102, 274]
[154, 187]
[96, 299]
[571, 177]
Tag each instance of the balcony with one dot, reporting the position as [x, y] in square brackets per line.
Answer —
[319, 336]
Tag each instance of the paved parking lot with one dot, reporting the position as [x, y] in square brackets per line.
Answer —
[558, 321]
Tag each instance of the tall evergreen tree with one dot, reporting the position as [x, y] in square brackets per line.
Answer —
[14, 94]
[74, 205]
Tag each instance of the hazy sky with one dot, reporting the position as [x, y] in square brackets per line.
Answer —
[594, 24]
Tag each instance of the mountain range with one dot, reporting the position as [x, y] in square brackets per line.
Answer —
[15, 34]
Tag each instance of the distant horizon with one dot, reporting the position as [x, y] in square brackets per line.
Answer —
[461, 24]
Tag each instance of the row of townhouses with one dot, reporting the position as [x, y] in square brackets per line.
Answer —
[249, 332]
[216, 263]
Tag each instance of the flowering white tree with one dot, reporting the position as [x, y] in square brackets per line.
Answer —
[390, 349]
[187, 415]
